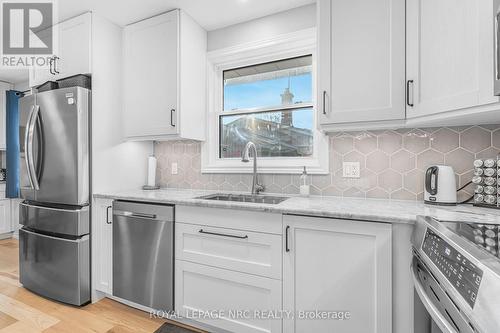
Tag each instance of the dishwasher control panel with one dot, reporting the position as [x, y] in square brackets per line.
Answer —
[458, 270]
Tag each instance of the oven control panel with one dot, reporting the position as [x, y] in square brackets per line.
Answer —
[458, 270]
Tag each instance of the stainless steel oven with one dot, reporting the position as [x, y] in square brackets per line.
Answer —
[457, 275]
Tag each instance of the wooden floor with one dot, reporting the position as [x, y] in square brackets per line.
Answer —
[24, 312]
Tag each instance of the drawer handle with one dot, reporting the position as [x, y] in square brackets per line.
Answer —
[223, 235]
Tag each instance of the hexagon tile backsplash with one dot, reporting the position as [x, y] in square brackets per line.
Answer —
[392, 163]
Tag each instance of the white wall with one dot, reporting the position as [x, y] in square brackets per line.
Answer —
[263, 28]
[116, 165]
[22, 86]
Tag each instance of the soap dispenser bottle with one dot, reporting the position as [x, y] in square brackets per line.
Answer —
[305, 190]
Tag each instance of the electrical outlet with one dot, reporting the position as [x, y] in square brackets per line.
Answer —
[174, 168]
[351, 170]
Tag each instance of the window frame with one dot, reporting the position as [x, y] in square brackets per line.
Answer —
[282, 47]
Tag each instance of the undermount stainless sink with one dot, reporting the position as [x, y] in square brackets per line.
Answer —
[262, 199]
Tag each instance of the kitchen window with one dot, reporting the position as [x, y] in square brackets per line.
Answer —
[264, 93]
[269, 104]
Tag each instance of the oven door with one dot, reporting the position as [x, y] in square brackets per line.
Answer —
[443, 311]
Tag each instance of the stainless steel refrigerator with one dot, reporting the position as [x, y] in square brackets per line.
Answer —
[54, 244]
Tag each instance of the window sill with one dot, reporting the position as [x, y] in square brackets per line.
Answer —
[311, 169]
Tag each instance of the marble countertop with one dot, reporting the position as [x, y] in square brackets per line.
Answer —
[379, 210]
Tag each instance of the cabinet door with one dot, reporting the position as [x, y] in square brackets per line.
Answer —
[5, 222]
[102, 245]
[203, 289]
[361, 60]
[449, 55]
[151, 75]
[14, 214]
[39, 75]
[3, 113]
[72, 53]
[74, 46]
[337, 265]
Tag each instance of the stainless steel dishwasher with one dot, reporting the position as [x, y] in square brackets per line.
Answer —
[143, 254]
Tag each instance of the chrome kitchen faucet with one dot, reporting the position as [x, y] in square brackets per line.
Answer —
[245, 157]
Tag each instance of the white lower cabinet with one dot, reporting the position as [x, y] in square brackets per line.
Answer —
[14, 214]
[102, 245]
[204, 293]
[228, 268]
[237, 250]
[334, 266]
[5, 220]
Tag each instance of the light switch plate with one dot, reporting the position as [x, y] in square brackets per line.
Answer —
[351, 170]
[174, 168]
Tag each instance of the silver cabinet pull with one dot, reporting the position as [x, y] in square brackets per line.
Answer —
[324, 102]
[287, 248]
[51, 60]
[201, 231]
[172, 112]
[55, 63]
[409, 101]
[107, 214]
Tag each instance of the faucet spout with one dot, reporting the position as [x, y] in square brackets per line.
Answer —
[245, 157]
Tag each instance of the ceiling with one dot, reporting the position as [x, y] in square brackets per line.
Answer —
[210, 14]
[13, 75]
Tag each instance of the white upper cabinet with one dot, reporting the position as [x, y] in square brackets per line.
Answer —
[449, 55]
[75, 44]
[164, 78]
[361, 61]
[337, 265]
[4, 86]
[72, 55]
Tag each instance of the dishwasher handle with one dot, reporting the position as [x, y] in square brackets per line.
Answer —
[136, 215]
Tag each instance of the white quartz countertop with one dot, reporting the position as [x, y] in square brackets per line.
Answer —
[380, 210]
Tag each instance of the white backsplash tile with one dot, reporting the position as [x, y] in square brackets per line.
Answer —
[392, 163]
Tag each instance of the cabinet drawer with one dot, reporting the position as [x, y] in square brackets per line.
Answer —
[204, 289]
[233, 219]
[243, 251]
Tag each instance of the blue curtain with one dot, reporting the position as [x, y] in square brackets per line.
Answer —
[12, 129]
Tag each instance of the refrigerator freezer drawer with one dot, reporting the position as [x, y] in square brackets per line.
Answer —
[55, 220]
[56, 268]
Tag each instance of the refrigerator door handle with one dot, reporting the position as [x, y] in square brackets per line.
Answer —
[26, 143]
[30, 133]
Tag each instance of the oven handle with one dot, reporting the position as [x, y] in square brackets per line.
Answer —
[438, 318]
